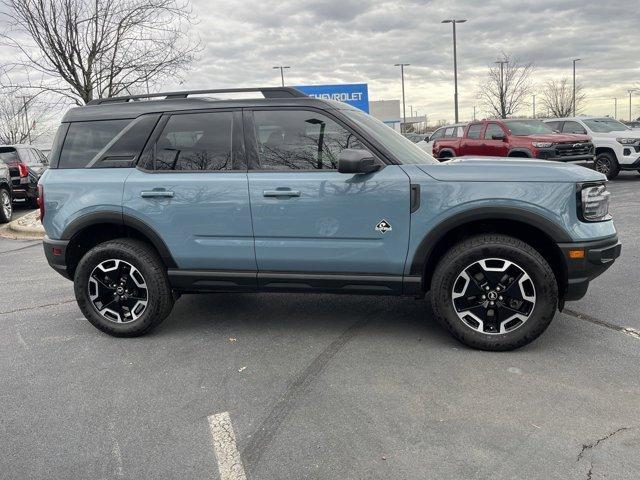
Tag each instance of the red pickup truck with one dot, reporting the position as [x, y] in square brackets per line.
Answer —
[516, 138]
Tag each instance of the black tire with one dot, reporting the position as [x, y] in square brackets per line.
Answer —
[157, 291]
[607, 164]
[494, 246]
[6, 205]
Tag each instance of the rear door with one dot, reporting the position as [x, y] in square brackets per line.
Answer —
[473, 143]
[310, 218]
[190, 187]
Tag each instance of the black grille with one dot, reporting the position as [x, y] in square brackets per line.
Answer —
[572, 149]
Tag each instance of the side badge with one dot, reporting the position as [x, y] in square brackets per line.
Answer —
[383, 226]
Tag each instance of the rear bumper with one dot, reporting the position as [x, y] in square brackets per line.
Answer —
[598, 257]
[56, 253]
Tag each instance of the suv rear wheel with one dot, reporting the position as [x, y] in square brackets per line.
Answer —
[6, 208]
[607, 164]
[494, 292]
[122, 288]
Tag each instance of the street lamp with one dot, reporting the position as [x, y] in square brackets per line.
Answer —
[281, 68]
[615, 108]
[404, 111]
[574, 84]
[630, 92]
[502, 92]
[455, 62]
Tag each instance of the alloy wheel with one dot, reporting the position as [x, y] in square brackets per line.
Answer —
[493, 296]
[7, 208]
[118, 291]
[603, 165]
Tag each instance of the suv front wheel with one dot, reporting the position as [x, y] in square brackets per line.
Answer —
[494, 292]
[122, 288]
[607, 164]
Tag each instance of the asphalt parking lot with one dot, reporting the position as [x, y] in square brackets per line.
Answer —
[319, 386]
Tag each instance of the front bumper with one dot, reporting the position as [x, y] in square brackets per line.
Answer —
[551, 154]
[598, 256]
[56, 253]
[631, 162]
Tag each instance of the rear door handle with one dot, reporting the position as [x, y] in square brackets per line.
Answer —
[156, 193]
[281, 193]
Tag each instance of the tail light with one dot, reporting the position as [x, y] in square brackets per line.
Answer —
[41, 201]
[24, 171]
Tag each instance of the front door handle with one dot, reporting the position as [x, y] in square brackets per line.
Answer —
[156, 193]
[281, 193]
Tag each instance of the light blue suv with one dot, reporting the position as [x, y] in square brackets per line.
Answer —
[149, 197]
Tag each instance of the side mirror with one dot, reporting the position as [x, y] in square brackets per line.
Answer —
[352, 160]
[499, 136]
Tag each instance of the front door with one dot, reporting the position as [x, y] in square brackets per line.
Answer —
[191, 188]
[308, 217]
[495, 147]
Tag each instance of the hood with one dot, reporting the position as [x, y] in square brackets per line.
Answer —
[558, 137]
[619, 133]
[502, 169]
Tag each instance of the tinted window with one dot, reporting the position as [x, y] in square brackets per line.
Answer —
[475, 131]
[437, 134]
[300, 140]
[9, 155]
[196, 142]
[493, 129]
[573, 127]
[125, 147]
[85, 139]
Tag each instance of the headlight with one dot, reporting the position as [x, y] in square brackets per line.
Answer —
[542, 144]
[627, 141]
[594, 203]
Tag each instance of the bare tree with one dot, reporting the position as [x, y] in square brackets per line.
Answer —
[508, 86]
[557, 97]
[24, 116]
[85, 49]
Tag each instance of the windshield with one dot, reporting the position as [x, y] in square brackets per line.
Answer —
[605, 125]
[527, 127]
[405, 150]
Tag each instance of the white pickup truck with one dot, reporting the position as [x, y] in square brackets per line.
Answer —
[617, 146]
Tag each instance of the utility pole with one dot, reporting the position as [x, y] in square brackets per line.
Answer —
[503, 107]
[574, 85]
[615, 108]
[455, 62]
[282, 69]
[474, 113]
[534, 106]
[630, 92]
[404, 110]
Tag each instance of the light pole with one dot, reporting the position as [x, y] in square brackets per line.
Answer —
[534, 106]
[630, 92]
[503, 107]
[455, 62]
[281, 68]
[615, 108]
[574, 84]
[404, 110]
[474, 113]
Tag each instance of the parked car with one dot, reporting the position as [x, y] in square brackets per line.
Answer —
[26, 165]
[147, 200]
[516, 138]
[447, 132]
[415, 137]
[6, 207]
[617, 145]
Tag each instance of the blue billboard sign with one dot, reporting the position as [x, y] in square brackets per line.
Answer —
[355, 94]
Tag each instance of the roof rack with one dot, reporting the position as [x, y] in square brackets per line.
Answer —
[267, 92]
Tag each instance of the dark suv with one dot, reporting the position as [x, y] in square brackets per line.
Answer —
[26, 165]
[148, 199]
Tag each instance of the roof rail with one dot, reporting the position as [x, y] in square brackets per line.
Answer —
[267, 92]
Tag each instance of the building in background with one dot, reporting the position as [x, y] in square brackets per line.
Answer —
[387, 111]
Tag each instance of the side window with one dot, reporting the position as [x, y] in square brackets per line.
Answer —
[459, 132]
[475, 130]
[553, 125]
[448, 133]
[27, 156]
[85, 139]
[42, 159]
[196, 142]
[492, 129]
[437, 134]
[573, 127]
[300, 140]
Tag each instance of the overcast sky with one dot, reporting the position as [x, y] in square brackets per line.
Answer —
[335, 41]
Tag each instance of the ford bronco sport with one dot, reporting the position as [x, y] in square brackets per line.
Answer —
[149, 197]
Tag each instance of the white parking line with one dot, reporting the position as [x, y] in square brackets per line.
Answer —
[224, 446]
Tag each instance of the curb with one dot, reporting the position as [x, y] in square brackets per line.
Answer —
[15, 230]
